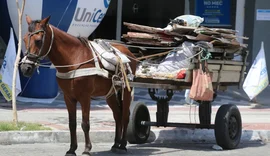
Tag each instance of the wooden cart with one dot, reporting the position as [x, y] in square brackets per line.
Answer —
[226, 72]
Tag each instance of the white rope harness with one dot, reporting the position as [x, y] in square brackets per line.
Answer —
[50, 43]
[97, 70]
[89, 71]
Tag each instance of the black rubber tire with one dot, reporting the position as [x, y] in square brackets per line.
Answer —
[136, 133]
[228, 126]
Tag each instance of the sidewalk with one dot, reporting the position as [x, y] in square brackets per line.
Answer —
[102, 118]
[255, 118]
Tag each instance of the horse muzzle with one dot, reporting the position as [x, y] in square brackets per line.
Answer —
[27, 67]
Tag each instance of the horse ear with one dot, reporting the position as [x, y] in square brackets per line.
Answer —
[45, 21]
[28, 19]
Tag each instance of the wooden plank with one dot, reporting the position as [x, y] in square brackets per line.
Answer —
[214, 67]
[149, 29]
[182, 29]
[143, 28]
[170, 84]
[228, 62]
[158, 86]
[151, 42]
[158, 37]
[222, 50]
[154, 55]
[217, 67]
[227, 76]
[217, 30]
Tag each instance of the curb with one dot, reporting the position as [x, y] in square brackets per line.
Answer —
[159, 136]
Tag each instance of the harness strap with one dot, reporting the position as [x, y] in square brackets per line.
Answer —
[83, 72]
[98, 71]
[110, 93]
[94, 55]
[52, 39]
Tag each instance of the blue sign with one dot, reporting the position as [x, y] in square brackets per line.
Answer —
[214, 12]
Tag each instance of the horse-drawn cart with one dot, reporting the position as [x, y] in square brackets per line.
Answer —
[82, 79]
[216, 46]
[226, 72]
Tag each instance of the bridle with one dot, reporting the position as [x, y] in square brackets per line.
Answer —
[38, 57]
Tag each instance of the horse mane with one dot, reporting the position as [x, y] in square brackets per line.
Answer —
[32, 26]
[83, 40]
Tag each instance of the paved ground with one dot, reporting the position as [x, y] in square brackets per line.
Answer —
[102, 118]
[255, 117]
[102, 149]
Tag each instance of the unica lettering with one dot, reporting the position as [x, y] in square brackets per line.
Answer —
[82, 15]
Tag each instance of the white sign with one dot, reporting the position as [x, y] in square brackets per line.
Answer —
[263, 14]
[77, 17]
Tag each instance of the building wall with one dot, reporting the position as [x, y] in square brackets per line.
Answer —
[156, 13]
[257, 31]
[249, 27]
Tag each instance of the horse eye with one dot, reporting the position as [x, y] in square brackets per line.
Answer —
[38, 42]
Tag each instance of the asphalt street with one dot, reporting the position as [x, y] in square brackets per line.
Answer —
[157, 149]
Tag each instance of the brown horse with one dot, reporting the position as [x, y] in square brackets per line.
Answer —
[43, 39]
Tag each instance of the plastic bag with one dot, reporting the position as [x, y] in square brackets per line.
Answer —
[177, 60]
[189, 20]
[201, 88]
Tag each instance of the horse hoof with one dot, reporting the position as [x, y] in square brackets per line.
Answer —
[114, 149]
[70, 154]
[86, 154]
[123, 148]
[118, 150]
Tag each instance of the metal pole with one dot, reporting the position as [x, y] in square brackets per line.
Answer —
[187, 10]
[119, 20]
[240, 18]
[239, 22]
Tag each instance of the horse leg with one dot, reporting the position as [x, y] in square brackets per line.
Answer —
[125, 118]
[114, 105]
[71, 106]
[85, 106]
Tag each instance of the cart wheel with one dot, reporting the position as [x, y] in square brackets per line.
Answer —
[137, 133]
[228, 126]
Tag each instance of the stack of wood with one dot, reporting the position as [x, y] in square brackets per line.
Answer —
[151, 36]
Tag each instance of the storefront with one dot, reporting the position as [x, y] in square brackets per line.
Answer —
[155, 13]
[158, 13]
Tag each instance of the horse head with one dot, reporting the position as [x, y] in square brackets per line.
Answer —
[38, 42]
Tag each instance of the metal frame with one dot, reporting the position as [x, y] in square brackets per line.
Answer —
[163, 112]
